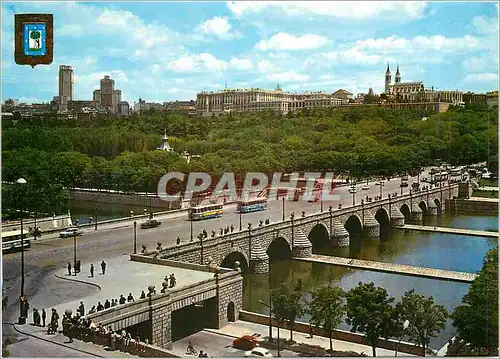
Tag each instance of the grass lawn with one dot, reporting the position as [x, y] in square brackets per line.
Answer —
[488, 183]
[485, 194]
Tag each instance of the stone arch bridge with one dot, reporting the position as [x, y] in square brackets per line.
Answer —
[253, 247]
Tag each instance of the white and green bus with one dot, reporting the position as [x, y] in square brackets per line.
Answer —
[11, 240]
[197, 213]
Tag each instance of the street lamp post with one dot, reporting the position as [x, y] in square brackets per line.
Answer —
[22, 312]
[269, 306]
[353, 190]
[135, 237]
[362, 210]
[74, 251]
[240, 218]
[191, 226]
[330, 210]
[96, 207]
[381, 185]
[249, 240]
[411, 201]
[406, 324]
[293, 237]
[283, 209]
[200, 237]
[321, 202]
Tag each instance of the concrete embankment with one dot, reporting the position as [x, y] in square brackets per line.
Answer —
[393, 268]
[461, 231]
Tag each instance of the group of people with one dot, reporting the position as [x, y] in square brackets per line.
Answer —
[79, 327]
[39, 320]
[107, 304]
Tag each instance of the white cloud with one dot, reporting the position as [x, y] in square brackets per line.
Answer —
[480, 63]
[289, 76]
[358, 10]
[266, 66]
[217, 26]
[485, 25]
[240, 64]
[284, 41]
[199, 62]
[481, 77]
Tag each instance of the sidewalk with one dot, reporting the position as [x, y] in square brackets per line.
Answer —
[79, 347]
[240, 328]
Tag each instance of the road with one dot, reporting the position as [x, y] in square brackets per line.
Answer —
[51, 253]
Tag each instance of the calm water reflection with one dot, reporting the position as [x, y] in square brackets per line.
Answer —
[459, 253]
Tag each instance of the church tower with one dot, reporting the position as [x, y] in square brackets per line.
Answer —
[398, 76]
[387, 80]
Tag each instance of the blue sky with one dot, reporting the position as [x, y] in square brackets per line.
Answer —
[171, 51]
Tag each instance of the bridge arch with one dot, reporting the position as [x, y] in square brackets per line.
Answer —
[353, 225]
[405, 209]
[438, 204]
[279, 248]
[382, 217]
[231, 257]
[318, 236]
[423, 206]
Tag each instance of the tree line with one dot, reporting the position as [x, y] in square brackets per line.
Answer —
[371, 311]
[119, 153]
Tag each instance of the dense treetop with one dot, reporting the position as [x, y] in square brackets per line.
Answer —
[119, 152]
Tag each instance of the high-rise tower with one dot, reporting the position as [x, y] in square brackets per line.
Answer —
[65, 83]
[387, 80]
[398, 76]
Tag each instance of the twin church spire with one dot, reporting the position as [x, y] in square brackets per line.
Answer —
[388, 78]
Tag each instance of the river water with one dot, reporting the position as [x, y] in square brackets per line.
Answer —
[426, 249]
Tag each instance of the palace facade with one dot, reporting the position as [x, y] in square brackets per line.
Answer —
[257, 99]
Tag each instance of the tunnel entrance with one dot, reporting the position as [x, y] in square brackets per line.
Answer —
[194, 318]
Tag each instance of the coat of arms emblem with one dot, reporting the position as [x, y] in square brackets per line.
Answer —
[33, 39]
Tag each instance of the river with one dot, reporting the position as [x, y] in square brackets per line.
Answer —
[443, 251]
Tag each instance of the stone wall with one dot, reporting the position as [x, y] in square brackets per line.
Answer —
[126, 200]
[337, 334]
[161, 323]
[473, 206]
[230, 292]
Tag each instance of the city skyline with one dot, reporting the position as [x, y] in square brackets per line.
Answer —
[166, 56]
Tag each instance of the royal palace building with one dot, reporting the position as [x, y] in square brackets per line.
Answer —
[256, 99]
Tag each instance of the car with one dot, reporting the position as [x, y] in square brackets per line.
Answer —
[151, 223]
[424, 179]
[404, 184]
[246, 342]
[352, 190]
[258, 352]
[377, 183]
[365, 187]
[70, 232]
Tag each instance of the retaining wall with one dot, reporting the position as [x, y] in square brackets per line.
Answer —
[473, 206]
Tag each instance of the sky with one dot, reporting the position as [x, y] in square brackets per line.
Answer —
[165, 51]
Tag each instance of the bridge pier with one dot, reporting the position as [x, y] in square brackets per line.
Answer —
[397, 218]
[432, 208]
[161, 327]
[416, 213]
[339, 236]
[371, 227]
[302, 247]
[259, 260]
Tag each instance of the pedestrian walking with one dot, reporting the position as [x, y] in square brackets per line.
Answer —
[232, 228]
[69, 268]
[91, 270]
[130, 298]
[44, 316]
[122, 299]
[221, 231]
[114, 302]
[143, 295]
[107, 304]
[103, 267]
[81, 309]
[99, 306]
[178, 240]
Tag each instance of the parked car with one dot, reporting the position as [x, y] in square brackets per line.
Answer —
[404, 184]
[352, 190]
[365, 187]
[246, 342]
[151, 223]
[258, 353]
[70, 232]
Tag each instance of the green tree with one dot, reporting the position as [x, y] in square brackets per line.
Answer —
[287, 305]
[476, 319]
[426, 318]
[369, 311]
[326, 308]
